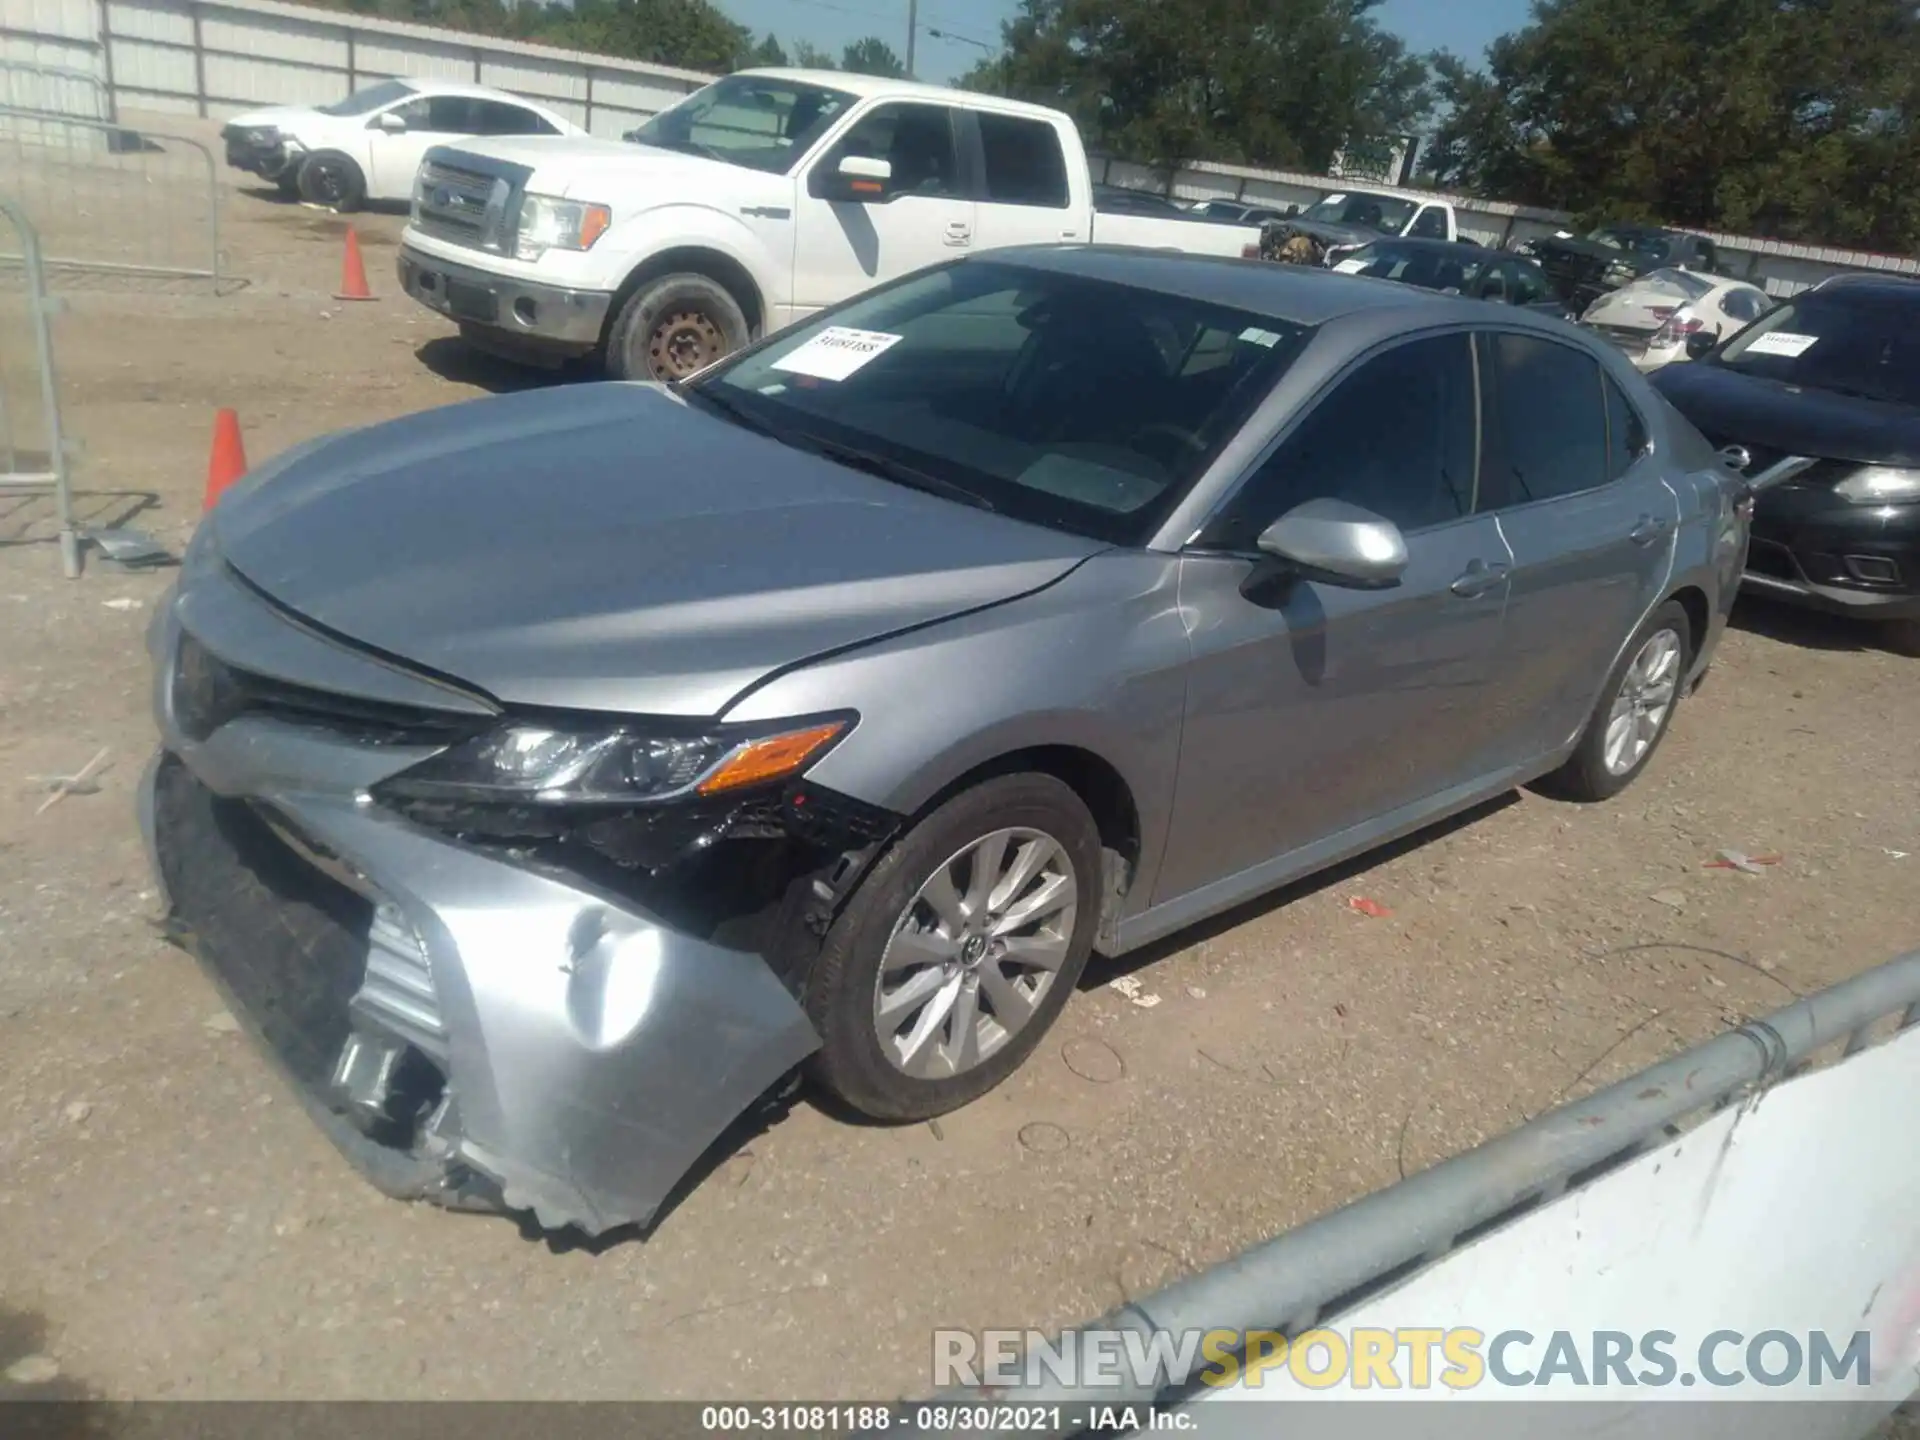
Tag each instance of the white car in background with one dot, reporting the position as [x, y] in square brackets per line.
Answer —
[369, 145]
[1653, 318]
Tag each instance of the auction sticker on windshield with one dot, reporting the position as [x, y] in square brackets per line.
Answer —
[1350, 267]
[1782, 342]
[836, 352]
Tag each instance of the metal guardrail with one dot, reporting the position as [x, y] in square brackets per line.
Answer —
[55, 90]
[43, 467]
[111, 199]
[1318, 1270]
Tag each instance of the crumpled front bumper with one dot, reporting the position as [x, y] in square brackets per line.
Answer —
[578, 1054]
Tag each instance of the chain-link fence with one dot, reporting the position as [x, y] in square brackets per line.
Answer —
[54, 90]
[113, 200]
[33, 453]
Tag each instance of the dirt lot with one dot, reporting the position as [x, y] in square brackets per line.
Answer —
[171, 1226]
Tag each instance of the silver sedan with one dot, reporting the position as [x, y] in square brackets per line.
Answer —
[548, 779]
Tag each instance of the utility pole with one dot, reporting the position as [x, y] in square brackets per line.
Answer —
[913, 30]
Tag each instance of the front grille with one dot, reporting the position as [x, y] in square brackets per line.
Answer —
[467, 206]
[298, 952]
[286, 943]
[208, 693]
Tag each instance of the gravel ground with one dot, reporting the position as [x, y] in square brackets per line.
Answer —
[171, 1226]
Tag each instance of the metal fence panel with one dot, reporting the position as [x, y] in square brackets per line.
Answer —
[33, 452]
[114, 200]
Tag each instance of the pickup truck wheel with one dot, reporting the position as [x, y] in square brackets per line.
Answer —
[674, 326]
[958, 951]
[332, 179]
[288, 184]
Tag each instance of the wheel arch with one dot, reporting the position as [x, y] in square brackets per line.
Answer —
[697, 259]
[1101, 788]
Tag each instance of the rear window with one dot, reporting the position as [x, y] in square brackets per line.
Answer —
[1024, 162]
[1679, 282]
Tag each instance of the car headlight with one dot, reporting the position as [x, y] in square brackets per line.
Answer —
[1880, 485]
[547, 223]
[541, 764]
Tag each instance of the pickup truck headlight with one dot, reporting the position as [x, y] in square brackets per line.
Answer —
[540, 764]
[547, 223]
[1880, 485]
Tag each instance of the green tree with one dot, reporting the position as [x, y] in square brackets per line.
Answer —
[872, 56]
[768, 53]
[1277, 82]
[807, 57]
[1794, 118]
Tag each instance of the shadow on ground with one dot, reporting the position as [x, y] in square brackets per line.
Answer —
[1809, 629]
[37, 1400]
[453, 359]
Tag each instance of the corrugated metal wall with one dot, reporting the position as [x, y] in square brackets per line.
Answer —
[217, 57]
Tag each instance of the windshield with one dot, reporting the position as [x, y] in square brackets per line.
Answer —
[1079, 404]
[363, 102]
[1430, 269]
[1644, 243]
[751, 120]
[1864, 344]
[1384, 213]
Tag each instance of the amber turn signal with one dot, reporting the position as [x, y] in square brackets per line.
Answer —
[774, 758]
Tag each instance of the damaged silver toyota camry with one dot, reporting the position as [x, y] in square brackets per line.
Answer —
[548, 780]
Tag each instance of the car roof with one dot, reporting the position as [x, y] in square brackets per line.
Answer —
[1896, 288]
[869, 85]
[462, 87]
[1418, 243]
[1300, 294]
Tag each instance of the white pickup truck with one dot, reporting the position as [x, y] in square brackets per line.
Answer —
[751, 204]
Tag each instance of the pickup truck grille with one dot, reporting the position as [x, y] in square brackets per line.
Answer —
[454, 199]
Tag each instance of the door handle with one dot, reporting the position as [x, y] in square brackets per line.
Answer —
[1647, 531]
[1478, 578]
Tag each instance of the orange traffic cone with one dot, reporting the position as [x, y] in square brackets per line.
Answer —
[228, 462]
[353, 271]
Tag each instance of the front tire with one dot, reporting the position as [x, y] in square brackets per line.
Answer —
[1635, 710]
[958, 951]
[333, 180]
[674, 327]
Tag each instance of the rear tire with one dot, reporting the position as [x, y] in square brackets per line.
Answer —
[1635, 710]
[332, 179]
[977, 973]
[673, 327]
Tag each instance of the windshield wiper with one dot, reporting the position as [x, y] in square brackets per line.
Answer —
[888, 469]
[729, 408]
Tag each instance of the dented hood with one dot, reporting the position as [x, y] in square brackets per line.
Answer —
[606, 547]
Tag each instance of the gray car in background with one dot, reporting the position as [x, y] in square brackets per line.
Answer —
[547, 779]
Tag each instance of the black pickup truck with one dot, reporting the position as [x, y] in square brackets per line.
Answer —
[1582, 270]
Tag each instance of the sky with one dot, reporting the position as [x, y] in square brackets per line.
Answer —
[1464, 26]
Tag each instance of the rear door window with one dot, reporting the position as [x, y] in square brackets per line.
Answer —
[1547, 431]
[1023, 161]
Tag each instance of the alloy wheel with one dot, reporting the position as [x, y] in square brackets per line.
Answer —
[975, 953]
[1647, 692]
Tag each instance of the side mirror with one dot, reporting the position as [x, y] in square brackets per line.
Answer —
[391, 123]
[1338, 543]
[1700, 342]
[857, 178]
